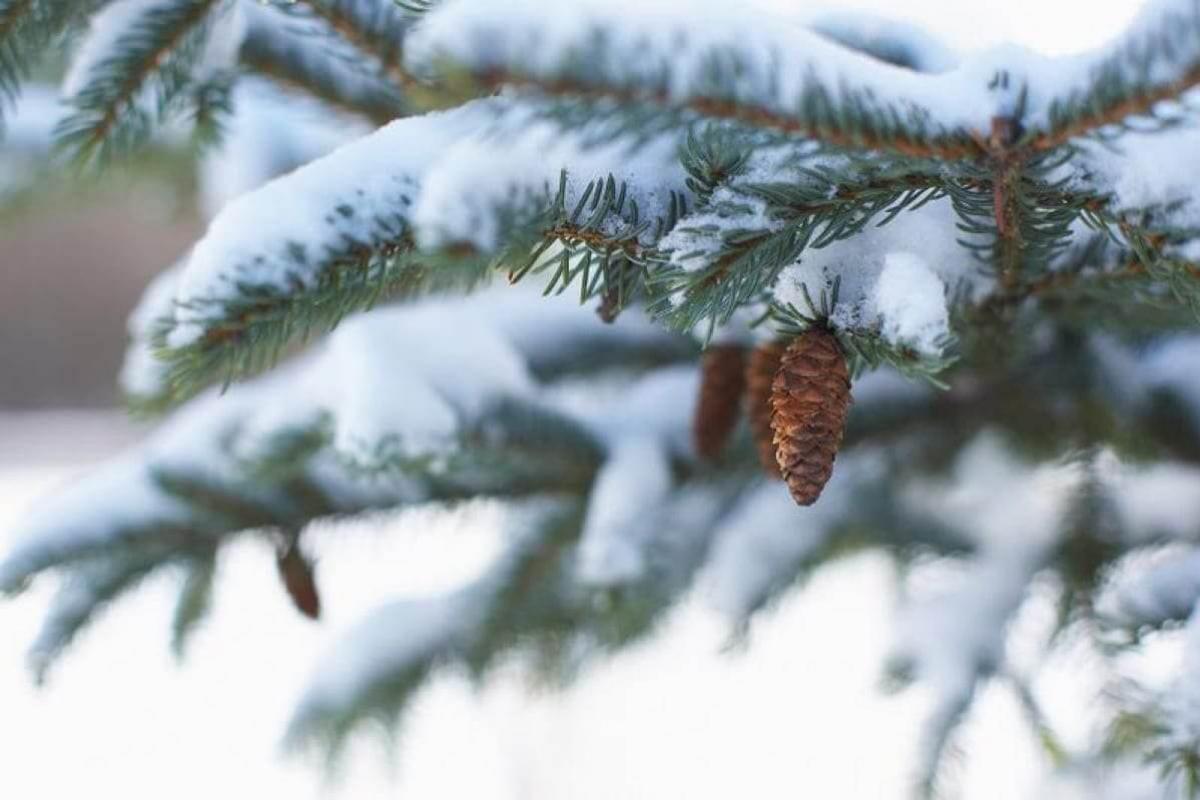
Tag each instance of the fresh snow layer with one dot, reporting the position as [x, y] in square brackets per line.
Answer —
[118, 22]
[281, 235]
[268, 134]
[143, 374]
[910, 301]
[1150, 589]
[648, 45]
[765, 539]
[639, 38]
[519, 169]
[634, 481]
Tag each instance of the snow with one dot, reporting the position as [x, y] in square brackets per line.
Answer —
[406, 635]
[910, 301]
[1000, 502]
[657, 406]
[281, 235]
[860, 262]
[633, 483]
[1174, 366]
[268, 134]
[628, 42]
[1155, 501]
[1152, 588]
[143, 374]
[883, 35]
[1181, 703]
[1147, 169]
[483, 175]
[397, 637]
[226, 32]
[949, 636]
[106, 28]
[115, 24]
[765, 540]
[780, 60]
[412, 403]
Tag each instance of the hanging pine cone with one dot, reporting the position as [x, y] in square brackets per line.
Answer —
[809, 401]
[296, 572]
[722, 382]
[760, 376]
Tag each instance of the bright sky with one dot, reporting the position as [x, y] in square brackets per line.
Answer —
[797, 715]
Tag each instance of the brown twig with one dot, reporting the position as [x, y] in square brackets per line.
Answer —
[1137, 105]
[951, 147]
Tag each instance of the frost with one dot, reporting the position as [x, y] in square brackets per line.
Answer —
[910, 301]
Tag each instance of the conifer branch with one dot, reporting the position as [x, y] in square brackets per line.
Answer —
[291, 63]
[372, 28]
[248, 334]
[1132, 103]
[27, 28]
[824, 122]
[159, 47]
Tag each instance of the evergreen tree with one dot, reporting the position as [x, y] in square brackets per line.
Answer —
[749, 220]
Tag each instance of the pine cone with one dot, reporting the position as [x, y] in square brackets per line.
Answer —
[722, 382]
[296, 572]
[760, 375]
[810, 398]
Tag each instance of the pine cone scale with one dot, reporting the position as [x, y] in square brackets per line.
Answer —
[810, 399]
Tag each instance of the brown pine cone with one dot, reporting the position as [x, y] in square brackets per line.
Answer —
[760, 375]
[722, 382]
[296, 572]
[810, 398]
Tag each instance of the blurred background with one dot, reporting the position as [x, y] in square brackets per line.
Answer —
[799, 712]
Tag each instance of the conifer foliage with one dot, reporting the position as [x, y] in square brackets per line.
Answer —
[1011, 244]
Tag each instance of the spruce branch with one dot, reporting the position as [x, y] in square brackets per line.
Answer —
[290, 61]
[194, 601]
[840, 123]
[248, 334]
[1159, 63]
[375, 29]
[157, 53]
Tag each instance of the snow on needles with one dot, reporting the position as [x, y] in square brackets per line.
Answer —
[280, 236]
[519, 171]
[649, 47]
[634, 481]
[910, 301]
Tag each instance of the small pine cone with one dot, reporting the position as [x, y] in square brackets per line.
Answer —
[296, 572]
[722, 382]
[760, 375]
[809, 402]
